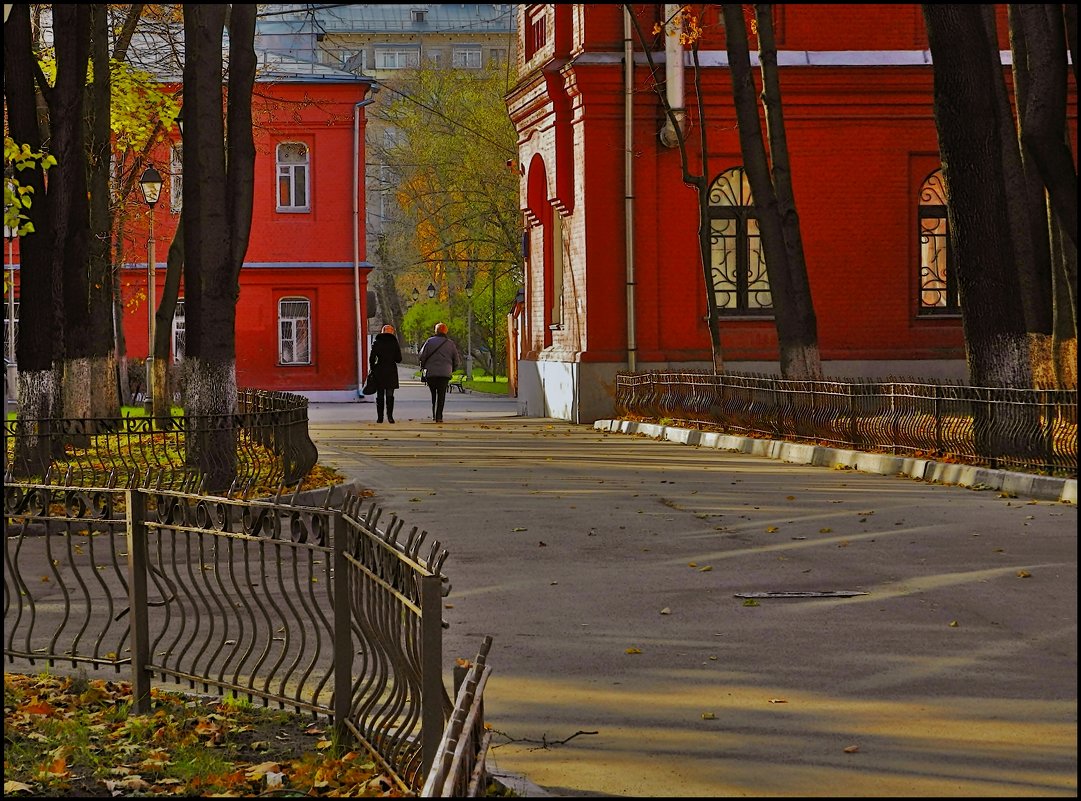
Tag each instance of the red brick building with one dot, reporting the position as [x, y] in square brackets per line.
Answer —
[613, 271]
[302, 314]
[301, 322]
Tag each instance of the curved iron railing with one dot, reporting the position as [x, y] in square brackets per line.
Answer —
[1030, 430]
[313, 608]
[265, 444]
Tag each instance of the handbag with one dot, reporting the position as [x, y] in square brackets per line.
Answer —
[423, 369]
[369, 386]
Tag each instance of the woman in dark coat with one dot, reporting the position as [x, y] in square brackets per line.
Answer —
[383, 371]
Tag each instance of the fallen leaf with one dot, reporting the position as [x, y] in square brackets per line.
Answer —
[953, 624]
[666, 611]
[777, 701]
[825, 530]
[771, 529]
[16, 787]
[852, 749]
[708, 716]
[323, 745]
[1023, 574]
[633, 651]
[705, 568]
[519, 528]
[750, 602]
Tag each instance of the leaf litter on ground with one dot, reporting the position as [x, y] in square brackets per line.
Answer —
[74, 737]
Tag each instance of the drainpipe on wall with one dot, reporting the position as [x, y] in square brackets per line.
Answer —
[628, 184]
[673, 75]
[358, 165]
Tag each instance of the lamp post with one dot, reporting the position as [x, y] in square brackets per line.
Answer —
[150, 183]
[431, 291]
[415, 295]
[469, 330]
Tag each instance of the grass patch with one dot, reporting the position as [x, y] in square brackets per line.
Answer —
[73, 738]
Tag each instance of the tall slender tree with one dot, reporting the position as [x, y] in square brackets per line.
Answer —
[218, 197]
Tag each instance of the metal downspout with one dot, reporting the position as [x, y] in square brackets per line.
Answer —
[628, 184]
[357, 166]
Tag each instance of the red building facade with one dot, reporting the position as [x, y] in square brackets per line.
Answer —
[301, 323]
[614, 277]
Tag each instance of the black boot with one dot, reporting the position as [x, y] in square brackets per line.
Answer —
[390, 407]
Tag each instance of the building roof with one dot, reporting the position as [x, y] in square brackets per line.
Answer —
[412, 18]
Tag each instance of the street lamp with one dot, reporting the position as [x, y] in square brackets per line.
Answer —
[431, 290]
[416, 294]
[150, 183]
[469, 330]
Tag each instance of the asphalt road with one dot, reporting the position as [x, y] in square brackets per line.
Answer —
[608, 567]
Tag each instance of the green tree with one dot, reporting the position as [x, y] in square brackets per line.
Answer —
[449, 146]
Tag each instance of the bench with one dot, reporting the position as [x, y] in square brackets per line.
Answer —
[456, 383]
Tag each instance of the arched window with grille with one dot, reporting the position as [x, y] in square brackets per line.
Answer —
[938, 276]
[294, 331]
[293, 174]
[737, 263]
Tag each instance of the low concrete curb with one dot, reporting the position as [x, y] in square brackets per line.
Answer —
[1027, 485]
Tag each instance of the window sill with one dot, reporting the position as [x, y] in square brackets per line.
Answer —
[289, 210]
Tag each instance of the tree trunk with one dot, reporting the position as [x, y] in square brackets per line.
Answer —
[216, 235]
[968, 120]
[792, 347]
[801, 355]
[39, 299]
[102, 389]
[68, 200]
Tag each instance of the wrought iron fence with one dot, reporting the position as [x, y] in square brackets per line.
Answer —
[265, 444]
[458, 770]
[314, 609]
[1033, 430]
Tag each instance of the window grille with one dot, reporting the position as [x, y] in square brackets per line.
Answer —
[11, 328]
[178, 331]
[938, 276]
[294, 331]
[737, 262]
[176, 177]
[536, 31]
[293, 177]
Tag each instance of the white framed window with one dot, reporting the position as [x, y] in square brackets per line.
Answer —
[466, 58]
[391, 58]
[294, 331]
[178, 331]
[434, 57]
[176, 177]
[293, 174]
[418, 14]
[497, 55]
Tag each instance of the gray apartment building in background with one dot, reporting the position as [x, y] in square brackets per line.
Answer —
[384, 41]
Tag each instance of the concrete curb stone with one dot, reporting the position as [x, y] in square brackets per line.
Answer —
[1027, 485]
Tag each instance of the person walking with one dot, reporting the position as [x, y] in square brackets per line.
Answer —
[438, 360]
[383, 364]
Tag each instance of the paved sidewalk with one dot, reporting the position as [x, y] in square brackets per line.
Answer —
[606, 566]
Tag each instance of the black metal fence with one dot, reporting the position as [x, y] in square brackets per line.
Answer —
[265, 444]
[315, 609]
[1031, 430]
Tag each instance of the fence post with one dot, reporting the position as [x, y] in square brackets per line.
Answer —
[343, 629]
[939, 446]
[140, 628]
[431, 670]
